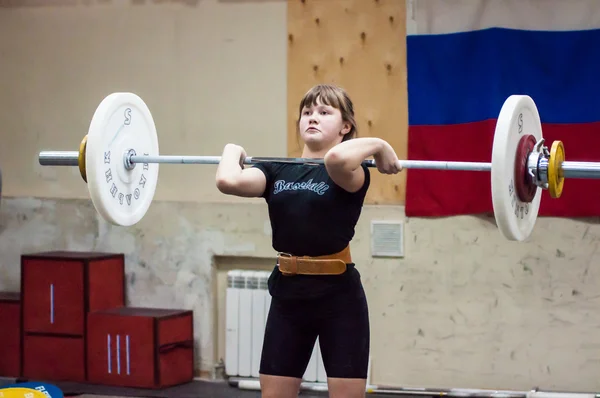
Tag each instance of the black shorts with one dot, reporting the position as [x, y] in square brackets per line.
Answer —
[339, 319]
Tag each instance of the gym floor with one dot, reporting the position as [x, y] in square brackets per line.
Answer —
[194, 389]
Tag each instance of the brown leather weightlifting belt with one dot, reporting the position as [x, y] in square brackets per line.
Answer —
[331, 264]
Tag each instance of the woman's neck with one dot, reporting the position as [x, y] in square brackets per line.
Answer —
[315, 153]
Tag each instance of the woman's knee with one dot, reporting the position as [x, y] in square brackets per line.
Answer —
[346, 388]
[279, 386]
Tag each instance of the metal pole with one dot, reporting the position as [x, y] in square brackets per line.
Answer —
[581, 169]
[64, 158]
[54, 158]
[589, 170]
[407, 164]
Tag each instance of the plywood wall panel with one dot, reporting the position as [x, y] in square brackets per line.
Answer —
[360, 45]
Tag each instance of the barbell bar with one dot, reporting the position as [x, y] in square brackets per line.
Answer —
[122, 135]
[570, 169]
[71, 158]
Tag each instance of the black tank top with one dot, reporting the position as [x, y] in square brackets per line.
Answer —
[310, 216]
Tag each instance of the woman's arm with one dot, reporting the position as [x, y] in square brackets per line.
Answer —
[343, 161]
[233, 179]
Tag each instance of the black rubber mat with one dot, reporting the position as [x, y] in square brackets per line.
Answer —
[195, 389]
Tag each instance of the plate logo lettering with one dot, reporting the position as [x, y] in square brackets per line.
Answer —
[113, 190]
[520, 209]
[127, 113]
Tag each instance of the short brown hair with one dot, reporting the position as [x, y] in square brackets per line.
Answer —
[336, 97]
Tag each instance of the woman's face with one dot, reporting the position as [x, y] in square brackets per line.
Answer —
[322, 126]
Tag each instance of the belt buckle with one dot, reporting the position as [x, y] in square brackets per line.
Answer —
[282, 254]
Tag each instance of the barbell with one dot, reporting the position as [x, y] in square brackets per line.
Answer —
[119, 160]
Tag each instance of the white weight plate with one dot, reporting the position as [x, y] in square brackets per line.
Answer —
[121, 122]
[519, 116]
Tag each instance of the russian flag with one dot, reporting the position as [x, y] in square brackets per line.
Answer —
[464, 59]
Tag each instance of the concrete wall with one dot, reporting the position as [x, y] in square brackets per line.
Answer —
[464, 308]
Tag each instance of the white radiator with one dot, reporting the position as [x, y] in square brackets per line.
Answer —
[247, 306]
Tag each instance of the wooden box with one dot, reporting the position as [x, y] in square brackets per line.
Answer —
[59, 288]
[10, 334]
[140, 347]
[54, 358]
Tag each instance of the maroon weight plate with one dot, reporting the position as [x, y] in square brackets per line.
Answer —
[524, 184]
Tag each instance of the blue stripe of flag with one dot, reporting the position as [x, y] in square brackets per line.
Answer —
[466, 77]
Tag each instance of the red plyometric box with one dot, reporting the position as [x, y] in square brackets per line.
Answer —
[140, 347]
[59, 288]
[54, 358]
[10, 334]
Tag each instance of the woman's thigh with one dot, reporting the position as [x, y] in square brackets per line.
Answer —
[290, 335]
[344, 334]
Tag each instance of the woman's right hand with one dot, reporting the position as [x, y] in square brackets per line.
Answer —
[386, 160]
[233, 179]
[233, 151]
